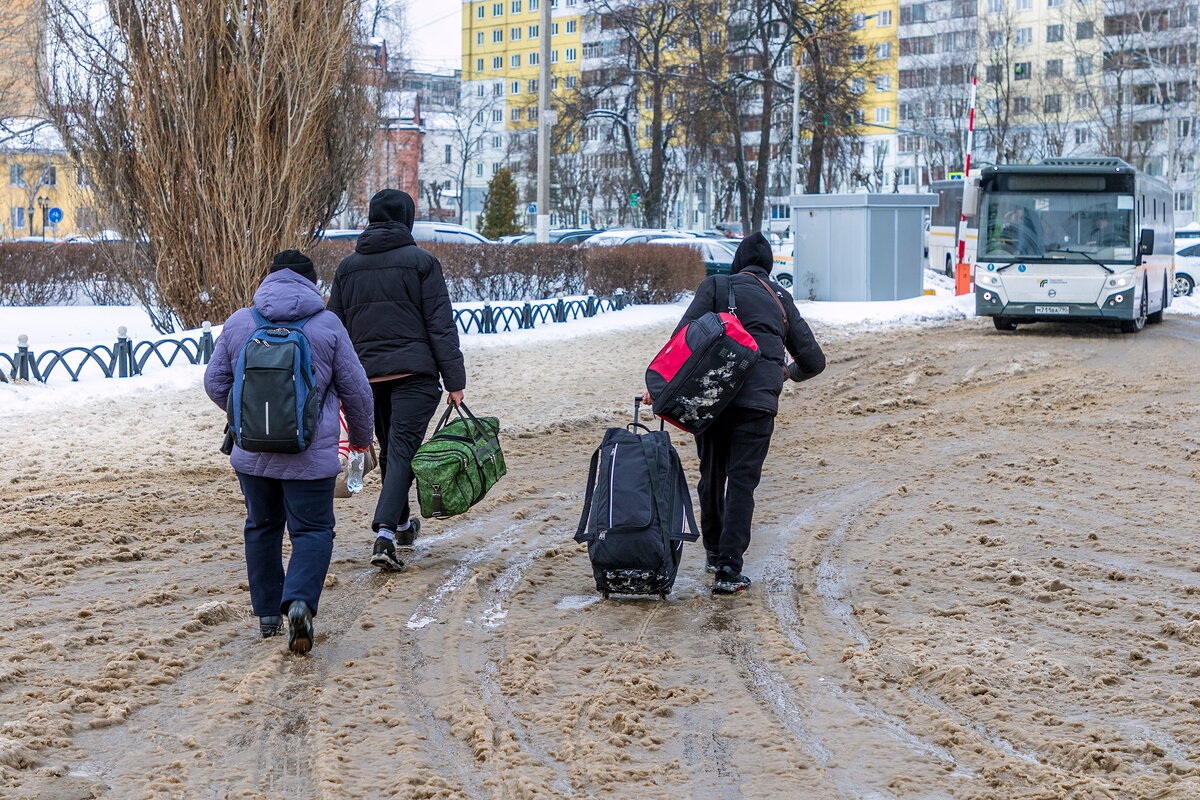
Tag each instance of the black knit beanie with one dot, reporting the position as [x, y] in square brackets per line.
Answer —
[295, 261]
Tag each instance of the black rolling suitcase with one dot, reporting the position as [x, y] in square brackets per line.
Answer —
[638, 511]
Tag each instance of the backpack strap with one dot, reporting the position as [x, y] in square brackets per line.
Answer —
[685, 497]
[650, 453]
[295, 325]
[731, 301]
[589, 492]
[778, 302]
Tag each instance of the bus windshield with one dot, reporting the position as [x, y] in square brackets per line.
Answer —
[1024, 225]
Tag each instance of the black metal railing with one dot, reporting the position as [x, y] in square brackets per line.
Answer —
[126, 358]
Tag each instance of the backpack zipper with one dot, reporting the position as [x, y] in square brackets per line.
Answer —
[612, 477]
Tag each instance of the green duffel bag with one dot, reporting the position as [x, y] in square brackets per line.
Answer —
[459, 463]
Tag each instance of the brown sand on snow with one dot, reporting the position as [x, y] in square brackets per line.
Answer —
[975, 567]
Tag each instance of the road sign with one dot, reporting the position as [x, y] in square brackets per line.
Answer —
[954, 176]
[532, 208]
[635, 198]
[54, 215]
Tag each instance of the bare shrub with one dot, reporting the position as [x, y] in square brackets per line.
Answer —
[218, 132]
[650, 273]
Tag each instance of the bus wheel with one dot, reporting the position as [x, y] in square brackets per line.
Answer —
[949, 266]
[1137, 323]
[784, 280]
[1004, 324]
[1157, 316]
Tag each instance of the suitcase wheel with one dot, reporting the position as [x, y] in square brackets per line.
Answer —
[662, 595]
[604, 595]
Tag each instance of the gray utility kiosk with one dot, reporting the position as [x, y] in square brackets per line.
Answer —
[855, 247]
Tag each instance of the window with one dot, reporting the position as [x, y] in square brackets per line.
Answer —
[1184, 201]
[514, 87]
[994, 73]
[553, 56]
[479, 38]
[16, 218]
[858, 52]
[514, 60]
[50, 176]
[904, 176]
[1083, 65]
[883, 83]
[497, 62]
[497, 115]
[1053, 3]
[571, 54]
[1082, 136]
[533, 32]
[479, 65]
[479, 11]
[995, 6]
[514, 114]
[714, 37]
[81, 177]
[554, 83]
[912, 14]
[495, 167]
[1023, 37]
[1184, 128]
[883, 114]
[1021, 105]
[1083, 101]
[497, 89]
[514, 7]
[1054, 68]
[497, 142]
[16, 175]
[533, 5]
[570, 81]
[1024, 5]
[995, 40]
[780, 211]
[447, 154]
[858, 85]
[1021, 71]
[531, 113]
[883, 19]
[571, 26]
[906, 111]
[514, 34]
[497, 36]
[87, 219]
[497, 9]
[858, 21]
[479, 116]
[1052, 104]
[479, 170]
[554, 29]
[531, 85]
[479, 90]
[1054, 33]
[1083, 30]
[883, 51]
[533, 59]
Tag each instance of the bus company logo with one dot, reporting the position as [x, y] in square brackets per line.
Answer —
[1042, 283]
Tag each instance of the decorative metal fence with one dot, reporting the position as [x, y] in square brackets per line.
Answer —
[126, 358]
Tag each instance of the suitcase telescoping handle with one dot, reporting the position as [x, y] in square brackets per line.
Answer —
[633, 426]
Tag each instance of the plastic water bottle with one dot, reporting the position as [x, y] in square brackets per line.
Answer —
[354, 471]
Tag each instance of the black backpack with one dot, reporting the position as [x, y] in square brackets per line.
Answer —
[637, 513]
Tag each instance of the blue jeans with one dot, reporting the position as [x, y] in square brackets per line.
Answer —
[306, 508]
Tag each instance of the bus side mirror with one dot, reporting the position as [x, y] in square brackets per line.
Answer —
[1146, 242]
[970, 200]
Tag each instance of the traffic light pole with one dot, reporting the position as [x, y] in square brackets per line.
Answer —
[545, 120]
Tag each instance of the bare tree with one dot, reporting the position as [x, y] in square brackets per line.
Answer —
[218, 131]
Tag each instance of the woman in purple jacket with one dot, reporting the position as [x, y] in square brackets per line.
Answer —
[296, 489]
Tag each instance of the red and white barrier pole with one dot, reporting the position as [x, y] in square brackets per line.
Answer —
[962, 271]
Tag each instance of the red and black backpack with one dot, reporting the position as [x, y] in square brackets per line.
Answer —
[702, 368]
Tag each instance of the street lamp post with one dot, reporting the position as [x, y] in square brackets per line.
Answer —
[44, 205]
[545, 120]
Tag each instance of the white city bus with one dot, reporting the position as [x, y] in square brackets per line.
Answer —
[941, 240]
[1072, 238]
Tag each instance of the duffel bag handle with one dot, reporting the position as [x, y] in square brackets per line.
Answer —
[480, 431]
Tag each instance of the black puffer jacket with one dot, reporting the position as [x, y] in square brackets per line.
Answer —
[760, 314]
[392, 298]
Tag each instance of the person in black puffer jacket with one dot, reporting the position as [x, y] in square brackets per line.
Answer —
[392, 298]
[733, 448]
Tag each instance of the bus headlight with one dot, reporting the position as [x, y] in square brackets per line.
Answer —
[994, 279]
[1119, 281]
[1119, 299]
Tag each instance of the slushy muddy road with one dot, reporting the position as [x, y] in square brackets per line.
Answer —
[975, 567]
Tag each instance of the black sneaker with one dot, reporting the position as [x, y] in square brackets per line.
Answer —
[300, 627]
[409, 537]
[730, 582]
[270, 625]
[710, 562]
[384, 555]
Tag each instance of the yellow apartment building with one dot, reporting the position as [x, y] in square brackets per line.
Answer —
[876, 48]
[44, 194]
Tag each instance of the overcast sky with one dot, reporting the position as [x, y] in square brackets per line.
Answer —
[435, 34]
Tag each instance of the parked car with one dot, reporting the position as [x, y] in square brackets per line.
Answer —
[426, 231]
[634, 236]
[510, 238]
[717, 257]
[1187, 270]
[340, 234]
[561, 235]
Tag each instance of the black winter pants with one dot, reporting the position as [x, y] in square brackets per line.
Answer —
[403, 408]
[306, 508]
[732, 451]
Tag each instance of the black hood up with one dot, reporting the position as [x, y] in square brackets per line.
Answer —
[392, 205]
[754, 251]
[391, 217]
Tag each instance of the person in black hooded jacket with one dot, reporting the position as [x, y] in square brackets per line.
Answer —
[733, 448]
[392, 298]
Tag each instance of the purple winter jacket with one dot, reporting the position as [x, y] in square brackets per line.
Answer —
[284, 296]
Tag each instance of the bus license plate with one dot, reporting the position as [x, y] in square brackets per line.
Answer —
[1052, 310]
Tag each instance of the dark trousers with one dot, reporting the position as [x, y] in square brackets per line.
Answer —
[403, 408]
[732, 451]
[306, 508]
